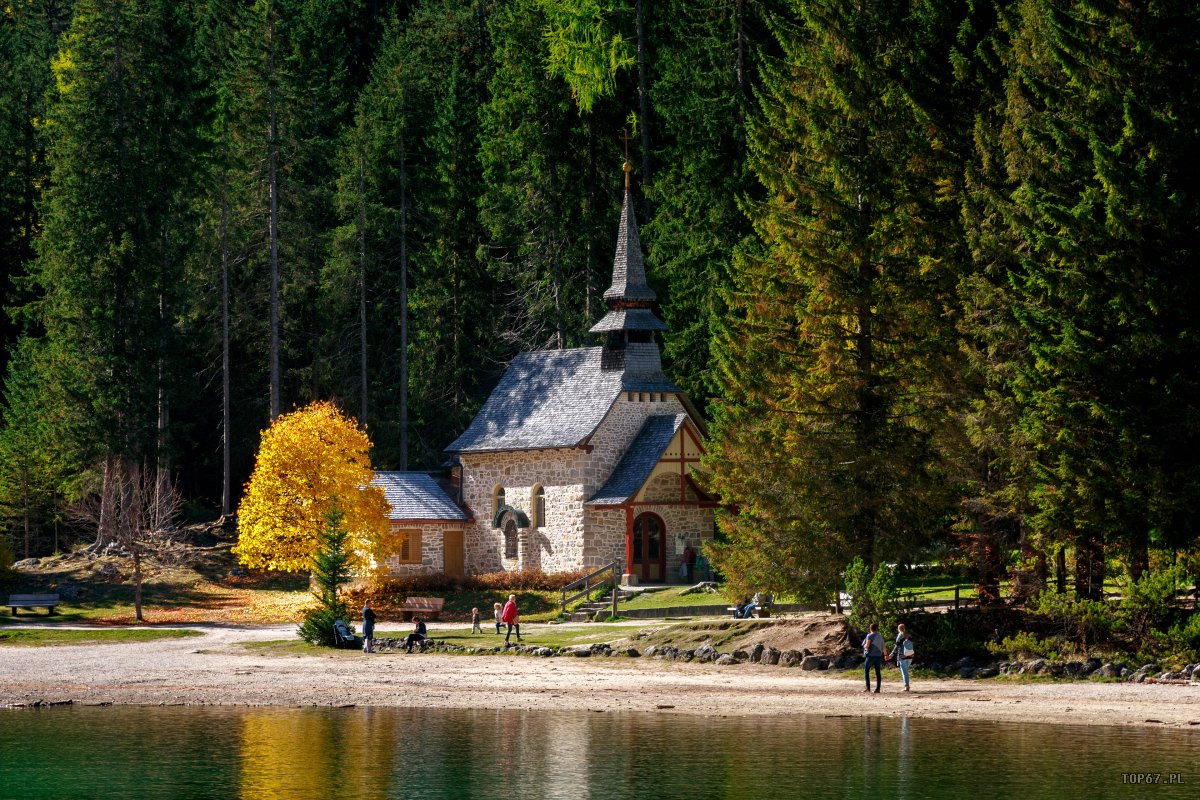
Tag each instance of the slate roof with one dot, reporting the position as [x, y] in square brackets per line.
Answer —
[546, 399]
[632, 319]
[639, 460]
[417, 496]
[629, 272]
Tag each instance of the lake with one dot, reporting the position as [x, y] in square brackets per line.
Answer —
[220, 752]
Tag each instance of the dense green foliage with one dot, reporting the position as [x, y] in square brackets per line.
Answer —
[926, 265]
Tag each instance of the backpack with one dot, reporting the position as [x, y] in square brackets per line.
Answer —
[907, 648]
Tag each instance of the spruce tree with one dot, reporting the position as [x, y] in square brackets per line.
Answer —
[837, 365]
[1086, 233]
[121, 155]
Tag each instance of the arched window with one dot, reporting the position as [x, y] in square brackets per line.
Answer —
[538, 506]
[510, 536]
[497, 500]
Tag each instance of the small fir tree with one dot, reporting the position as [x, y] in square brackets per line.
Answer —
[331, 568]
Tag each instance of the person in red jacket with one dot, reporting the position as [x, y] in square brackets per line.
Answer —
[510, 618]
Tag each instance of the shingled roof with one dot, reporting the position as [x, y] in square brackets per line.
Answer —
[629, 271]
[417, 496]
[639, 460]
[631, 319]
[546, 399]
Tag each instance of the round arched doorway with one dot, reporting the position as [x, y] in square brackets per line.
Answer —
[649, 548]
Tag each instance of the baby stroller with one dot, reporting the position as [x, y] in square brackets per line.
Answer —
[342, 636]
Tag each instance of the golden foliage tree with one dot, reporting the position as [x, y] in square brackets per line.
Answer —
[307, 460]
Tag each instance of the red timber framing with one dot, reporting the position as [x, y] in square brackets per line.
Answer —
[688, 456]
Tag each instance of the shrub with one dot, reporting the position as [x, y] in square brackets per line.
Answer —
[1024, 644]
[1146, 604]
[1085, 622]
[872, 596]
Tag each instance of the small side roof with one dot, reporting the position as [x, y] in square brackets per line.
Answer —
[547, 399]
[639, 460]
[417, 496]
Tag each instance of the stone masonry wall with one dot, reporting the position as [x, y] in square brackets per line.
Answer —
[617, 431]
[432, 552]
[559, 545]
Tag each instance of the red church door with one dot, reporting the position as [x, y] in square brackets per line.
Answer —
[649, 548]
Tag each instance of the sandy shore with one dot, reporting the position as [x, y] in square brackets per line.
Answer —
[216, 668]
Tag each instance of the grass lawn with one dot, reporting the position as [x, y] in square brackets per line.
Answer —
[43, 637]
[674, 596]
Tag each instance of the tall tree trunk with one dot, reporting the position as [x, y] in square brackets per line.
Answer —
[1060, 570]
[273, 222]
[226, 405]
[403, 306]
[643, 106]
[1089, 567]
[362, 291]
[137, 584]
[105, 529]
[1139, 553]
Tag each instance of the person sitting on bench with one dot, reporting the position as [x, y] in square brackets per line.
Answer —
[417, 636]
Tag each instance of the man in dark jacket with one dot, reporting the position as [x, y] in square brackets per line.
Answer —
[368, 617]
[417, 636]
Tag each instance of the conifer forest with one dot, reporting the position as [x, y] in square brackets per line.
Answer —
[929, 267]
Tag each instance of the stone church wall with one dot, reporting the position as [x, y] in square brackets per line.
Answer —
[557, 547]
[432, 552]
[618, 430]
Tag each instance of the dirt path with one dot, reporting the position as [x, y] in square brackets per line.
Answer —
[217, 669]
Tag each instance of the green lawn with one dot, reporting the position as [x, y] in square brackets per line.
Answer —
[674, 596]
[44, 637]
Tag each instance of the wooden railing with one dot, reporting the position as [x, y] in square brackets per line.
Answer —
[613, 569]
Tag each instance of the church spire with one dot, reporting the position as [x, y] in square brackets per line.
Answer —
[630, 322]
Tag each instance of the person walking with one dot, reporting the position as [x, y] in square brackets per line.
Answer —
[903, 651]
[475, 621]
[689, 562]
[873, 654]
[497, 613]
[368, 618]
[511, 618]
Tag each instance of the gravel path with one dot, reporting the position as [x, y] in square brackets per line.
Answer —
[216, 668]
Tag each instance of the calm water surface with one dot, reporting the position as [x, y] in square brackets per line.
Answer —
[136, 752]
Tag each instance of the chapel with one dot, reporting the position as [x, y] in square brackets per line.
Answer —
[580, 457]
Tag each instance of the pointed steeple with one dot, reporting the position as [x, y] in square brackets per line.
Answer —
[628, 327]
[630, 299]
[629, 270]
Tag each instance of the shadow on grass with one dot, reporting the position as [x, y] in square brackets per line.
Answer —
[96, 602]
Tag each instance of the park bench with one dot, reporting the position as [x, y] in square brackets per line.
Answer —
[32, 601]
[762, 610]
[426, 607]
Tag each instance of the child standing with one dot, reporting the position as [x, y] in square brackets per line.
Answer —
[475, 620]
[497, 610]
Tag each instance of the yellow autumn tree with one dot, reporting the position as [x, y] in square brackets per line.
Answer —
[307, 460]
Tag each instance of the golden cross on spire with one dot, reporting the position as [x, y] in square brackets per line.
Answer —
[625, 137]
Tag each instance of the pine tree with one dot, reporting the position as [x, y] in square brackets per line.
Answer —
[705, 69]
[410, 173]
[121, 155]
[1089, 274]
[837, 365]
[29, 36]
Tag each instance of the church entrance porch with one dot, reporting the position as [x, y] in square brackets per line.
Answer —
[648, 550]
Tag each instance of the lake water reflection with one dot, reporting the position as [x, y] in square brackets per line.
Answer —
[127, 752]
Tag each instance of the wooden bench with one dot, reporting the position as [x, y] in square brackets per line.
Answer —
[426, 607]
[31, 601]
[762, 612]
